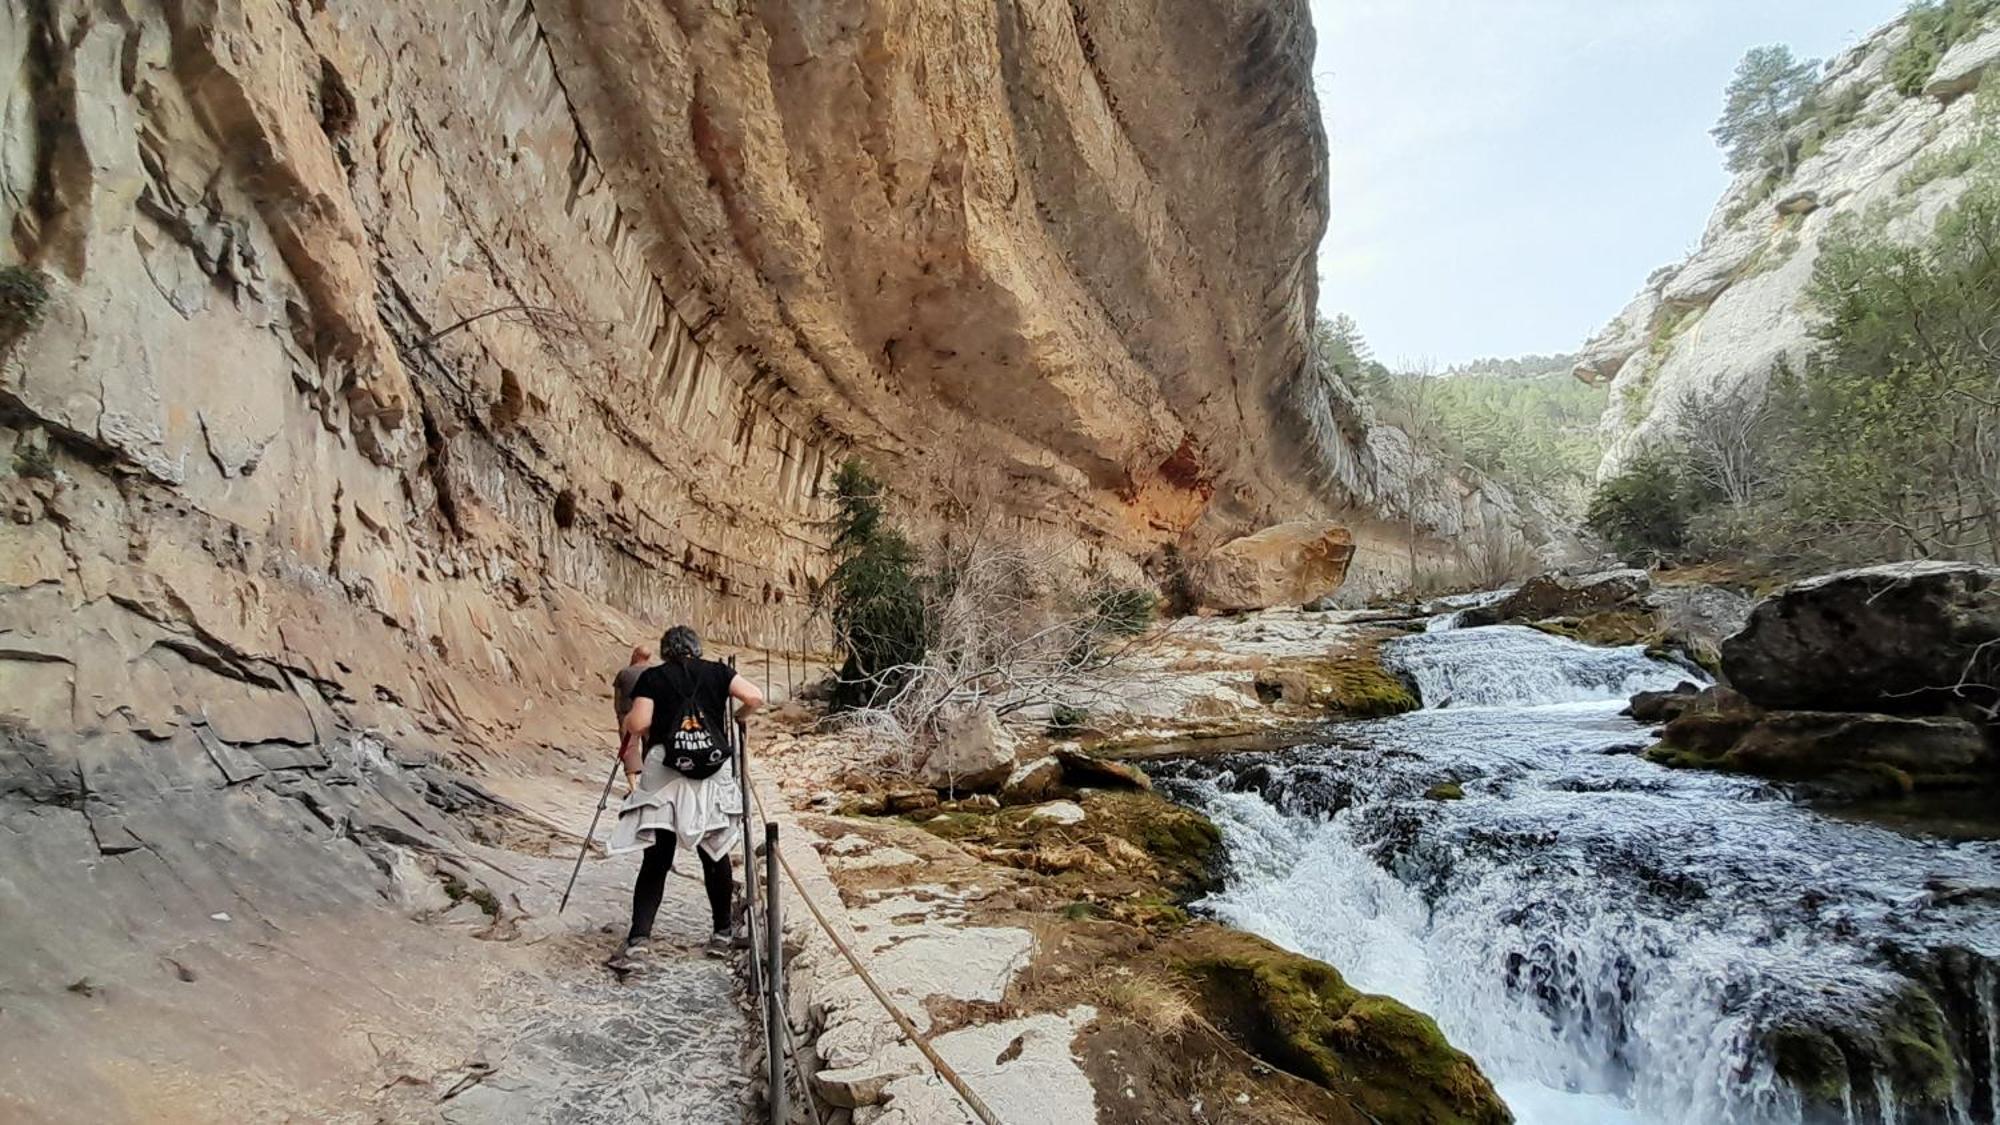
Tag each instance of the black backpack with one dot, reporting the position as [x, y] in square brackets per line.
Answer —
[691, 746]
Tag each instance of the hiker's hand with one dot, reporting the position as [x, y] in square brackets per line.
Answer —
[631, 783]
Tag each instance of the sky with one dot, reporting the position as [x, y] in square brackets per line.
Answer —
[1505, 173]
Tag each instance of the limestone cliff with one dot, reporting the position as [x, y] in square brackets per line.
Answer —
[1723, 318]
[402, 362]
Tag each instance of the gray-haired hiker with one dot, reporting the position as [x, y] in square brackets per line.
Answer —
[681, 794]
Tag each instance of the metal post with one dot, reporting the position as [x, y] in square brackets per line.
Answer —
[774, 965]
[742, 764]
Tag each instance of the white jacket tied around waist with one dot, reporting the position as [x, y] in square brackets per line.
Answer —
[707, 814]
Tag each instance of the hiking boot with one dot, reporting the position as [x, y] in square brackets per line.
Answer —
[721, 943]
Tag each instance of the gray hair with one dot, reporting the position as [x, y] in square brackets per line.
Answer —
[681, 642]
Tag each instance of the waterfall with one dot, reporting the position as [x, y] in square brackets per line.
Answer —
[1613, 941]
[1515, 666]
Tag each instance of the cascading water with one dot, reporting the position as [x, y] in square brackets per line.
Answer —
[1611, 940]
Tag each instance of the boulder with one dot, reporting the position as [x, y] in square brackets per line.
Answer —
[1960, 70]
[1082, 770]
[1908, 639]
[1662, 706]
[1392, 1062]
[1557, 595]
[1287, 564]
[1031, 782]
[974, 752]
[1832, 753]
[1060, 812]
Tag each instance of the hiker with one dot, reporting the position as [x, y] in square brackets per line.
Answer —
[675, 748]
[623, 683]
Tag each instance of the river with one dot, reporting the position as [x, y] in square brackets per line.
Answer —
[1614, 941]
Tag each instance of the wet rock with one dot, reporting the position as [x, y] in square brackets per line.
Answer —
[1288, 564]
[1301, 1015]
[1445, 791]
[974, 752]
[1082, 770]
[1906, 639]
[1661, 706]
[1842, 754]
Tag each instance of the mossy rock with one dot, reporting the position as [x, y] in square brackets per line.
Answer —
[24, 297]
[1354, 684]
[1612, 628]
[1390, 1060]
[1445, 791]
[1906, 1040]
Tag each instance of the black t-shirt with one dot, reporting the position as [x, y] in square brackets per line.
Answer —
[666, 683]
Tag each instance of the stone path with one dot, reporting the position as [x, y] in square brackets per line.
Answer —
[570, 1042]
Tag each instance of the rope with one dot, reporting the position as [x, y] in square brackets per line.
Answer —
[917, 1038]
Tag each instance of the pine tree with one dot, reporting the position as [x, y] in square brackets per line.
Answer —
[1762, 102]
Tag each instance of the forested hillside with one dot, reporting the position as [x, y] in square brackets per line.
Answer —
[1525, 422]
[1820, 384]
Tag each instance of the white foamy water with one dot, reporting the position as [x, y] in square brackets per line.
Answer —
[1611, 940]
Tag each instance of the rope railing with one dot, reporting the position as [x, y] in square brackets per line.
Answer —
[774, 1008]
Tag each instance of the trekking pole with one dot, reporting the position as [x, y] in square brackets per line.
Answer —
[603, 799]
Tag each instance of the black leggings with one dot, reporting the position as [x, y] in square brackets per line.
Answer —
[715, 877]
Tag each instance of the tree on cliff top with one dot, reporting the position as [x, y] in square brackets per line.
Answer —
[1762, 102]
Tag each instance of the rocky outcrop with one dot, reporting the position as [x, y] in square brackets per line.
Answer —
[1905, 638]
[1548, 596]
[1827, 753]
[1877, 682]
[1716, 324]
[1289, 564]
[391, 369]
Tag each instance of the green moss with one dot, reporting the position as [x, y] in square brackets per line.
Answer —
[24, 297]
[1390, 1060]
[34, 461]
[1445, 791]
[1357, 684]
[456, 890]
[1808, 1059]
[1610, 628]
[1905, 1039]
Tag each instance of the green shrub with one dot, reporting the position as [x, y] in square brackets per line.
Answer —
[875, 593]
[1827, 118]
[24, 296]
[1951, 162]
[1644, 511]
[1756, 197]
[1935, 27]
[1122, 611]
[33, 461]
[1065, 719]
